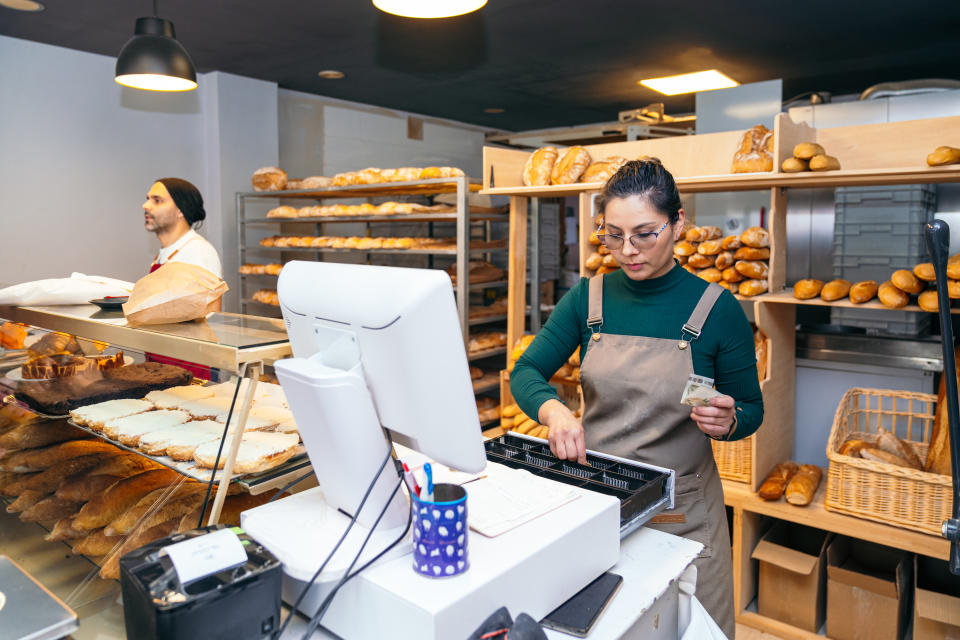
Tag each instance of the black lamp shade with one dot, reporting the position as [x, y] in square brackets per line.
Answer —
[153, 59]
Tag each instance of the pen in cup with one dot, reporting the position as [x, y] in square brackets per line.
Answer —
[428, 470]
[410, 480]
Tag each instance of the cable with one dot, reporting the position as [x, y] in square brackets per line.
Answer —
[343, 537]
[216, 463]
[290, 486]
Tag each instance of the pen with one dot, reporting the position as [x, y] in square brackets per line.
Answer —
[427, 469]
[410, 480]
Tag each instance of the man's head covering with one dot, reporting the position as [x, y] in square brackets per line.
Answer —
[187, 198]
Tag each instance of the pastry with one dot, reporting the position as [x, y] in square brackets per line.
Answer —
[12, 335]
[711, 274]
[731, 275]
[891, 296]
[103, 509]
[752, 268]
[807, 150]
[129, 429]
[824, 162]
[756, 237]
[724, 259]
[863, 291]
[803, 485]
[570, 166]
[172, 398]
[794, 165]
[180, 441]
[700, 261]
[892, 444]
[776, 481]
[835, 289]
[269, 179]
[943, 155]
[539, 167]
[752, 253]
[807, 288]
[907, 282]
[752, 287]
[754, 152]
[710, 247]
[731, 243]
[258, 451]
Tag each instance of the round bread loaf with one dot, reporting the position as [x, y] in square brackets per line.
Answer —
[928, 300]
[824, 162]
[907, 282]
[269, 179]
[794, 165]
[807, 288]
[806, 150]
[863, 291]
[756, 237]
[570, 166]
[892, 297]
[538, 168]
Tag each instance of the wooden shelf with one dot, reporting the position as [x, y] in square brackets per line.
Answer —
[775, 627]
[786, 297]
[488, 382]
[815, 515]
[419, 187]
[489, 353]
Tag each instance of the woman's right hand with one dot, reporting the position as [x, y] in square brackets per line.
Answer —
[566, 431]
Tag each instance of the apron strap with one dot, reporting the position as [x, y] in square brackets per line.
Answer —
[694, 324]
[595, 305]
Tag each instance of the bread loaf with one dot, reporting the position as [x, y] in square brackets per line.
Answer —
[25, 500]
[807, 150]
[711, 274]
[81, 487]
[852, 447]
[97, 543]
[40, 434]
[731, 243]
[709, 247]
[807, 288]
[823, 162]
[943, 155]
[752, 253]
[609, 261]
[752, 268]
[929, 301]
[63, 530]
[50, 508]
[879, 455]
[925, 272]
[125, 464]
[48, 479]
[803, 485]
[892, 444]
[794, 165]
[776, 481]
[103, 509]
[158, 506]
[684, 248]
[269, 179]
[752, 287]
[594, 239]
[891, 296]
[40, 459]
[724, 259]
[731, 275]
[756, 237]
[835, 290]
[907, 282]
[539, 166]
[700, 261]
[754, 151]
[602, 250]
[863, 291]
[938, 455]
[593, 261]
[570, 166]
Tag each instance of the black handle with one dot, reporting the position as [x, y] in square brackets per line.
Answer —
[937, 235]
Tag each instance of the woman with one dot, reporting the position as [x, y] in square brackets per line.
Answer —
[642, 330]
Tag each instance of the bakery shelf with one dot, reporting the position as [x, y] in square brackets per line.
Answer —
[396, 217]
[487, 353]
[412, 188]
[785, 296]
[407, 252]
[488, 382]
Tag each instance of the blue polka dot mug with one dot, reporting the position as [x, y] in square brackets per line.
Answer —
[440, 532]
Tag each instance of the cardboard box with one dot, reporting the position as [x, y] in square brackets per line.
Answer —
[868, 590]
[793, 575]
[936, 601]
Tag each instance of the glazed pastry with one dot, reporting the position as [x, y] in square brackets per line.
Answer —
[835, 289]
[807, 288]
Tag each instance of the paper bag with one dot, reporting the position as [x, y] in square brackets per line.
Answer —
[176, 292]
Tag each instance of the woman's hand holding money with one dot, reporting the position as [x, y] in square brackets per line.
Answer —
[714, 420]
[566, 431]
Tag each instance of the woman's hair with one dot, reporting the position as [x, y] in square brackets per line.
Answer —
[645, 178]
[187, 198]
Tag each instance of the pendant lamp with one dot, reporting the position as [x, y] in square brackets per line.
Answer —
[428, 8]
[153, 59]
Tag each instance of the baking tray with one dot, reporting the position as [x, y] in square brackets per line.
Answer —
[643, 490]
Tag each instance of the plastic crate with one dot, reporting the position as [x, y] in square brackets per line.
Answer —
[882, 321]
[878, 230]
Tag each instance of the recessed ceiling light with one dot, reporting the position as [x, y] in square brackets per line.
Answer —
[493, 110]
[22, 5]
[428, 8]
[690, 82]
[331, 74]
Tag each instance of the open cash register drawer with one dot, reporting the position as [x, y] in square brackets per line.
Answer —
[643, 490]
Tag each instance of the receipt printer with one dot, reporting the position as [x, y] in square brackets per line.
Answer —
[239, 602]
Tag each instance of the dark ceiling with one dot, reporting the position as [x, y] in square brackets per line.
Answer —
[547, 63]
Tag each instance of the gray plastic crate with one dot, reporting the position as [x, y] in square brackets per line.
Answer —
[883, 321]
[878, 230]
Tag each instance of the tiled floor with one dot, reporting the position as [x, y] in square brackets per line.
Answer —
[749, 633]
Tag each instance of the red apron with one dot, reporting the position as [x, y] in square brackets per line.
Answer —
[198, 370]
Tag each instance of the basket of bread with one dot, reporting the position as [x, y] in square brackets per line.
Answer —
[889, 459]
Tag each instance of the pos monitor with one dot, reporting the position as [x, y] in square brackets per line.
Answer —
[374, 348]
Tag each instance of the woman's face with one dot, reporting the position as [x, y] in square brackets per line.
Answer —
[629, 216]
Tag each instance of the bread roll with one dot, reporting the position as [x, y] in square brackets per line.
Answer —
[806, 150]
[756, 237]
[593, 261]
[103, 509]
[753, 287]
[943, 155]
[892, 444]
[570, 166]
[794, 165]
[852, 447]
[823, 162]
[803, 485]
[907, 282]
[835, 290]
[891, 296]
[751, 253]
[539, 165]
[694, 234]
[711, 233]
[776, 481]
[687, 267]
[724, 259]
[269, 179]
[731, 243]
[953, 270]
[709, 247]
[732, 275]
[752, 268]
[594, 239]
[928, 300]
[753, 153]
[863, 291]
[684, 248]
[879, 455]
[807, 288]
[700, 261]
[609, 261]
[729, 286]
[602, 250]
[711, 274]
[924, 271]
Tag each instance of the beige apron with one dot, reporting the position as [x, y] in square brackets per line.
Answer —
[631, 388]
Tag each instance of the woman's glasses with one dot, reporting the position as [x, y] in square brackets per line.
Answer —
[640, 241]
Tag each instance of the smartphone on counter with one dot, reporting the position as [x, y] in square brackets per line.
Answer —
[577, 615]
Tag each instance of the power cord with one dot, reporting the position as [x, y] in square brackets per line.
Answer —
[290, 486]
[216, 463]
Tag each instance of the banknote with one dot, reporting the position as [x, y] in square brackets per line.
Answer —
[698, 391]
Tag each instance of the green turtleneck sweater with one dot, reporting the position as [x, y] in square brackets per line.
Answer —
[655, 308]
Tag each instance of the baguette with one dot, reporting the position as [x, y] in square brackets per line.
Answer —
[40, 459]
[852, 447]
[81, 487]
[64, 530]
[892, 444]
[125, 464]
[834, 290]
[50, 508]
[110, 570]
[105, 508]
[938, 455]
[158, 506]
[879, 455]
[49, 479]
[803, 485]
[40, 434]
[776, 481]
[25, 500]
[97, 543]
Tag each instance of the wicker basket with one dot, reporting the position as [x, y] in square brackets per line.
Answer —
[879, 491]
[735, 459]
